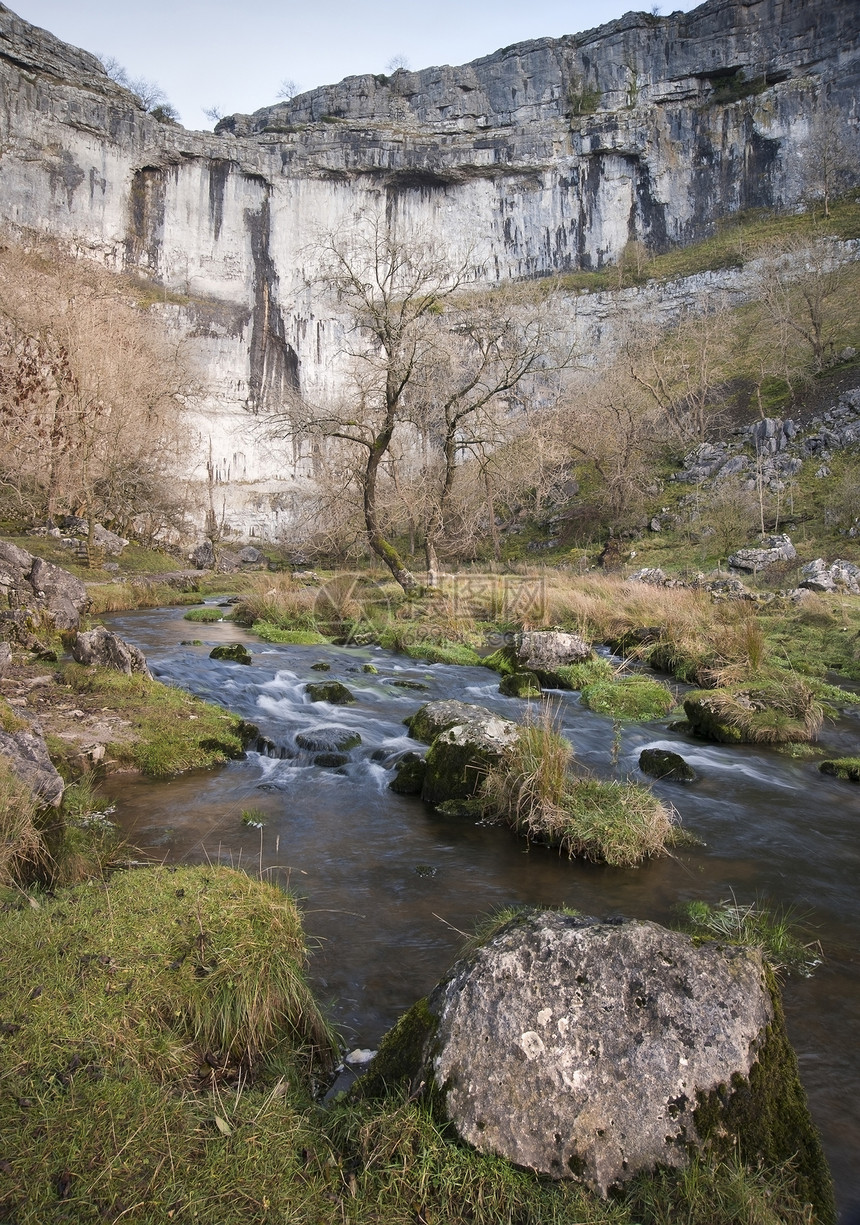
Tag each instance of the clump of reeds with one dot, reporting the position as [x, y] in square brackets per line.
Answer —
[21, 844]
[532, 789]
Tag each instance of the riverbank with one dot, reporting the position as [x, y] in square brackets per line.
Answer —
[160, 1067]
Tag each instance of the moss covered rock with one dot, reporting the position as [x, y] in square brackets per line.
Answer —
[520, 685]
[842, 767]
[235, 653]
[662, 763]
[330, 691]
[783, 711]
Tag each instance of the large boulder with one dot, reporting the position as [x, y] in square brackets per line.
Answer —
[104, 649]
[543, 652]
[27, 756]
[435, 717]
[598, 1050]
[5, 658]
[45, 591]
[773, 549]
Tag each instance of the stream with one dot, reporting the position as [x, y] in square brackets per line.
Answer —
[388, 887]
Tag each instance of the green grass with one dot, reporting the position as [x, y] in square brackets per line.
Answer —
[298, 638]
[633, 697]
[590, 672]
[771, 930]
[207, 615]
[10, 720]
[172, 731]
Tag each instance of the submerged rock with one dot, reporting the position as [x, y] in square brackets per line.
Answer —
[598, 1050]
[104, 649]
[328, 740]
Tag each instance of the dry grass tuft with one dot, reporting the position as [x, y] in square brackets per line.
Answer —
[21, 844]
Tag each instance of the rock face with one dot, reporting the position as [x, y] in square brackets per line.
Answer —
[44, 590]
[774, 549]
[101, 648]
[596, 1050]
[547, 156]
[27, 756]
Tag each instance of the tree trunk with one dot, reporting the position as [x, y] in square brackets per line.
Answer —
[385, 551]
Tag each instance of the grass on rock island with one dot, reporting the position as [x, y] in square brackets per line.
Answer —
[533, 790]
[162, 1061]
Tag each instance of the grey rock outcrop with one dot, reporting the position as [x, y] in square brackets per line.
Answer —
[5, 658]
[543, 652]
[774, 549]
[103, 649]
[841, 575]
[553, 154]
[582, 1049]
[44, 590]
[27, 756]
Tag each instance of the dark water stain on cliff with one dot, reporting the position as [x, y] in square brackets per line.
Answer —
[219, 172]
[274, 363]
[146, 207]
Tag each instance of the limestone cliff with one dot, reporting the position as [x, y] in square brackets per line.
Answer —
[546, 156]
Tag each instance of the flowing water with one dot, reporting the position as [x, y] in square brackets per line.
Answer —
[389, 887]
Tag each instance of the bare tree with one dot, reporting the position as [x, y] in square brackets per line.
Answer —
[287, 90]
[800, 291]
[487, 355]
[831, 157]
[683, 369]
[387, 280]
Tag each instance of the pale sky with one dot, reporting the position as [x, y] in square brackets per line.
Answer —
[234, 56]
